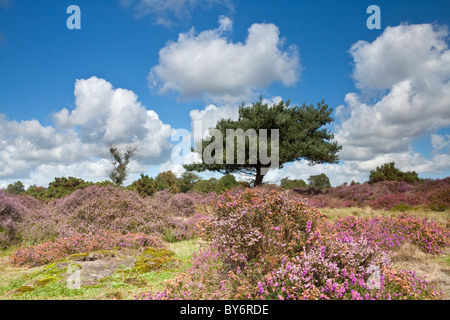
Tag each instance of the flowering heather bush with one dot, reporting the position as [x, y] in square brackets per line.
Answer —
[11, 213]
[255, 224]
[323, 201]
[439, 199]
[389, 201]
[356, 193]
[107, 208]
[62, 247]
[390, 233]
[342, 269]
[268, 246]
[183, 204]
[330, 268]
[97, 208]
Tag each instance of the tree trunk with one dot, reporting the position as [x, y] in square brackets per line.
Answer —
[259, 177]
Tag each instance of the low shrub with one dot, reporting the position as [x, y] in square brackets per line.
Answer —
[80, 243]
[11, 214]
[265, 245]
[254, 224]
[391, 233]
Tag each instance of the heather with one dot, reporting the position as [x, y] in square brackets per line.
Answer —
[25, 220]
[428, 194]
[80, 243]
[114, 209]
[257, 243]
[266, 244]
[391, 233]
[11, 213]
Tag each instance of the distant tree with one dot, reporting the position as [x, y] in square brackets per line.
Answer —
[37, 192]
[145, 185]
[288, 184]
[63, 186]
[226, 182]
[166, 180]
[205, 186]
[120, 161]
[319, 181]
[388, 172]
[15, 188]
[187, 181]
[105, 183]
[301, 136]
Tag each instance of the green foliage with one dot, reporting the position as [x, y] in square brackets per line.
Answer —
[15, 188]
[402, 207]
[187, 181]
[319, 181]
[301, 136]
[291, 184]
[39, 193]
[166, 180]
[63, 186]
[388, 172]
[120, 161]
[58, 188]
[145, 186]
[205, 186]
[226, 183]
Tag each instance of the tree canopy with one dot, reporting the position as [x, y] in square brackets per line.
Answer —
[389, 172]
[301, 135]
[319, 181]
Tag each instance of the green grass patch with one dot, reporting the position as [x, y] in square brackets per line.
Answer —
[48, 282]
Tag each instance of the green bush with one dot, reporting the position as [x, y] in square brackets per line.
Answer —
[62, 187]
[401, 207]
[227, 182]
[291, 184]
[205, 186]
[319, 181]
[187, 181]
[15, 188]
[388, 172]
[145, 186]
[166, 180]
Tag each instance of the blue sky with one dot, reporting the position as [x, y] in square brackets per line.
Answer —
[148, 67]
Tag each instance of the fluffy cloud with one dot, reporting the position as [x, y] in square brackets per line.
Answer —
[209, 66]
[403, 52]
[105, 115]
[412, 62]
[77, 143]
[168, 12]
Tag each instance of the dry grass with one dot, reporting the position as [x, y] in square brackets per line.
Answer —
[335, 213]
[435, 269]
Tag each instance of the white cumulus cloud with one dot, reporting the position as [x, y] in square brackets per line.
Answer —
[77, 143]
[412, 62]
[208, 65]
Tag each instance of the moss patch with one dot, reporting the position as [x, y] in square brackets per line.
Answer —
[152, 259]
